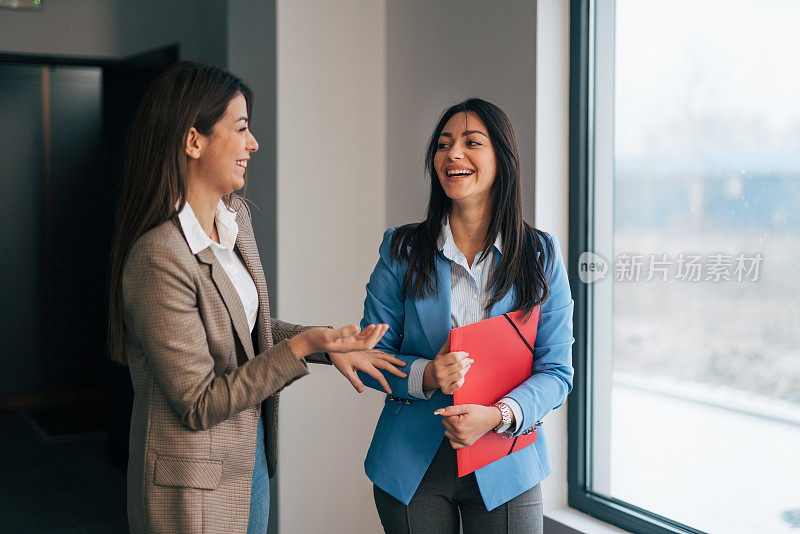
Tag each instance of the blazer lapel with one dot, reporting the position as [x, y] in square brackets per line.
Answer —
[231, 299]
[248, 251]
[434, 310]
[505, 304]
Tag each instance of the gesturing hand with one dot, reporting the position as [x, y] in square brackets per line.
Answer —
[368, 361]
[466, 423]
[447, 370]
[345, 339]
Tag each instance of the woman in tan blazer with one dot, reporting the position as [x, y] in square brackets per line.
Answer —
[189, 314]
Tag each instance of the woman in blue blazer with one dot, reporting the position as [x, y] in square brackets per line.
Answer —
[472, 258]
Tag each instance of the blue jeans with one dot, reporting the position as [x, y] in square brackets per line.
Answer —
[259, 494]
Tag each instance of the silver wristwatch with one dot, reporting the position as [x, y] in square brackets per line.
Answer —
[505, 413]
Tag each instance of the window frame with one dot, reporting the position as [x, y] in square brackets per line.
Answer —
[581, 204]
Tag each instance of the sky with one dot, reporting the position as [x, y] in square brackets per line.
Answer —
[707, 75]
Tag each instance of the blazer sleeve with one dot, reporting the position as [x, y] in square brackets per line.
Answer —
[551, 380]
[163, 321]
[385, 303]
[282, 330]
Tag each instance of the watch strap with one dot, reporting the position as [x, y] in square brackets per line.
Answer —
[505, 413]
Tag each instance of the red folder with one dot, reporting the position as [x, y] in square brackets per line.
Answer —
[502, 361]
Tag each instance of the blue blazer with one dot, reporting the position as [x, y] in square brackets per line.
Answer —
[408, 434]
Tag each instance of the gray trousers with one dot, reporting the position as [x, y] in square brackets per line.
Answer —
[441, 497]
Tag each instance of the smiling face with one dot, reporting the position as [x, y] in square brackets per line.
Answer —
[224, 154]
[464, 161]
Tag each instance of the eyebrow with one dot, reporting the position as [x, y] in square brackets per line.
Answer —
[466, 133]
[242, 119]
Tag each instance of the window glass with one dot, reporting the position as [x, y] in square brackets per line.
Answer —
[696, 327]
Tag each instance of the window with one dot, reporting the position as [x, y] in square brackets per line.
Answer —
[684, 255]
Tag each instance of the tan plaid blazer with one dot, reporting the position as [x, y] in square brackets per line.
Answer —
[199, 380]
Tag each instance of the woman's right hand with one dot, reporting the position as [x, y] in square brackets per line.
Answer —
[447, 370]
[345, 339]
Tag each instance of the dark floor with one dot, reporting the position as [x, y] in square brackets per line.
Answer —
[57, 484]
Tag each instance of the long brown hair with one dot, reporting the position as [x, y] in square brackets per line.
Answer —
[186, 95]
[525, 249]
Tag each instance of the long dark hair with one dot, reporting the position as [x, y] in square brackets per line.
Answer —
[186, 95]
[519, 266]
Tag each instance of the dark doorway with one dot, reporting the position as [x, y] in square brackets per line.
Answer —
[64, 123]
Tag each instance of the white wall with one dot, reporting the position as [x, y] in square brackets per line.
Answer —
[442, 52]
[65, 28]
[552, 187]
[331, 215]
[117, 28]
[199, 26]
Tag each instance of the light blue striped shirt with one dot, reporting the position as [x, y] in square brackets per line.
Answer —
[469, 294]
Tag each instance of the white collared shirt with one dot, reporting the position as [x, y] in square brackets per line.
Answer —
[468, 285]
[228, 229]
[469, 294]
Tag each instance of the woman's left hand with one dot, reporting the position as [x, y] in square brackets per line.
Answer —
[368, 361]
[466, 423]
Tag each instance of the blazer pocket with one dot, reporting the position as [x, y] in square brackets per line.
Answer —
[188, 472]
